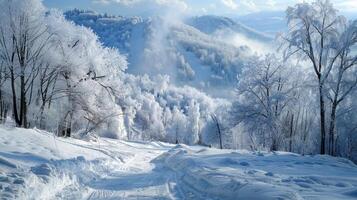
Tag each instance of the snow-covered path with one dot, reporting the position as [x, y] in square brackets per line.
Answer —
[137, 177]
[60, 168]
[36, 165]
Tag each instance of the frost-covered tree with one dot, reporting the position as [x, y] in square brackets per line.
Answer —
[178, 125]
[265, 92]
[23, 42]
[155, 109]
[313, 32]
[343, 78]
[194, 123]
[57, 75]
[89, 77]
[325, 39]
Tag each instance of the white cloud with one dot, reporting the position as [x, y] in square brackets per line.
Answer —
[346, 5]
[342, 5]
[250, 5]
[177, 3]
[124, 2]
[204, 10]
[230, 4]
[146, 7]
[271, 3]
[247, 6]
[213, 6]
[180, 3]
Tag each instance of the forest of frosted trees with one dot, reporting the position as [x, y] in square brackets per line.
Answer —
[58, 76]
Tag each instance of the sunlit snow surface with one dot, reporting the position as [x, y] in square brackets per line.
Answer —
[36, 165]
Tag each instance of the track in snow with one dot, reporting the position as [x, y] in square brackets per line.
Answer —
[36, 165]
[60, 168]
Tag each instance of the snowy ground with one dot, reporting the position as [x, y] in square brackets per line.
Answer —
[36, 165]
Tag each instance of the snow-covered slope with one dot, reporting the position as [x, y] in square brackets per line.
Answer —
[188, 51]
[36, 165]
[224, 174]
[114, 31]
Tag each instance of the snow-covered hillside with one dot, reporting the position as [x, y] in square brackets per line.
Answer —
[36, 165]
[198, 51]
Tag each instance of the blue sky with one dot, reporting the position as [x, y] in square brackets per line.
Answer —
[193, 7]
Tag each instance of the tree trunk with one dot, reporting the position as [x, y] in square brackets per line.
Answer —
[220, 135]
[3, 108]
[65, 126]
[14, 99]
[41, 121]
[215, 120]
[69, 125]
[332, 129]
[23, 107]
[322, 120]
[274, 146]
[291, 133]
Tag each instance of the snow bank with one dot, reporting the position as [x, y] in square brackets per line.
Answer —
[225, 174]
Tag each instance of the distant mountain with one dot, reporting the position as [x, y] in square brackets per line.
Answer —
[189, 51]
[268, 22]
[211, 24]
[272, 22]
